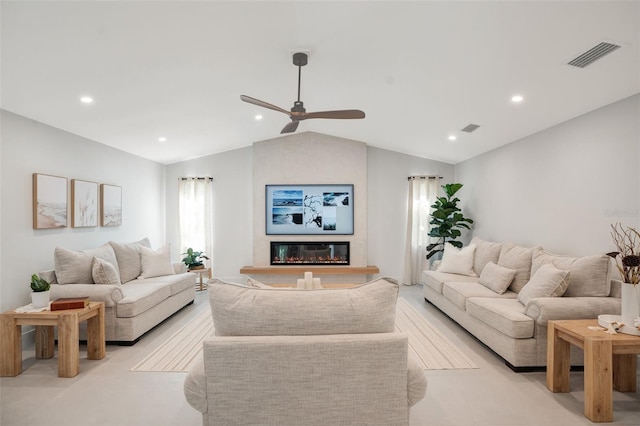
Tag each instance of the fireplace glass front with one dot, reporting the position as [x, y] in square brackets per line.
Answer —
[315, 253]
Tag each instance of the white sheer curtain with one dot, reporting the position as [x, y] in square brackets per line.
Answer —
[195, 214]
[423, 191]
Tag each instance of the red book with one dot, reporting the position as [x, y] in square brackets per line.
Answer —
[69, 303]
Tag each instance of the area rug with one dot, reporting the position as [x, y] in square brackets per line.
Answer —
[427, 345]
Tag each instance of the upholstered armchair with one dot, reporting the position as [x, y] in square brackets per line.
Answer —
[305, 357]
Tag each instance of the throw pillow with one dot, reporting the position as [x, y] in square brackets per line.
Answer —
[548, 281]
[496, 277]
[589, 274]
[248, 311]
[257, 284]
[75, 267]
[104, 272]
[128, 255]
[486, 252]
[518, 258]
[156, 262]
[458, 261]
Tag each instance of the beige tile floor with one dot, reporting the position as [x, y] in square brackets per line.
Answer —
[107, 393]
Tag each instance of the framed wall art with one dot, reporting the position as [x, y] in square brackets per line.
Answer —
[49, 201]
[110, 205]
[84, 199]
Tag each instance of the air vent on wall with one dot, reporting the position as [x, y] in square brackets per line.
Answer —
[593, 54]
[470, 128]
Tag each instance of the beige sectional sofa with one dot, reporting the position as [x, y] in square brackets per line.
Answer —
[305, 357]
[140, 287]
[504, 294]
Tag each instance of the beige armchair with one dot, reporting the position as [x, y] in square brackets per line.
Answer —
[313, 357]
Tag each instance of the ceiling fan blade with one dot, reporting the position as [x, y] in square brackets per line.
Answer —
[340, 114]
[291, 127]
[263, 104]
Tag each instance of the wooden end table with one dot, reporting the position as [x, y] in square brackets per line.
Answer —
[609, 363]
[68, 322]
[204, 272]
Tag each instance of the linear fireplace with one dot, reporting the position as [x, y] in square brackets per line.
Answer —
[309, 253]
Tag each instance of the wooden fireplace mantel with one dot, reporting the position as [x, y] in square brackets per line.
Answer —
[315, 269]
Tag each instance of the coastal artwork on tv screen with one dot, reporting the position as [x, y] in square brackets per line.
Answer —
[49, 201]
[309, 209]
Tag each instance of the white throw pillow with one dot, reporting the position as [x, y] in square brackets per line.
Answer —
[257, 284]
[156, 262]
[496, 277]
[458, 261]
[548, 281]
[75, 267]
[104, 272]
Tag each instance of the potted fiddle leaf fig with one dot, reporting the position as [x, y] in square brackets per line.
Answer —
[446, 220]
[194, 259]
[40, 291]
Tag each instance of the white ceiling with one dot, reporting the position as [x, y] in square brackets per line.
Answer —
[421, 70]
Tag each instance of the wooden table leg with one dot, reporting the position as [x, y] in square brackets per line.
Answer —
[558, 359]
[95, 335]
[10, 347]
[45, 342]
[68, 345]
[598, 379]
[624, 372]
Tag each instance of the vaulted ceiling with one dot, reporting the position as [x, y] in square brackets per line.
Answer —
[421, 70]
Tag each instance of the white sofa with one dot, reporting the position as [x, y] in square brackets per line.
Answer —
[305, 357]
[508, 311]
[140, 287]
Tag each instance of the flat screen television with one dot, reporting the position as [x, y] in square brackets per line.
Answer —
[309, 209]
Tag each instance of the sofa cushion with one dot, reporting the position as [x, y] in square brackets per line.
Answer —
[589, 274]
[457, 261]
[249, 311]
[104, 272]
[76, 267]
[140, 297]
[177, 282]
[547, 281]
[505, 315]
[155, 263]
[496, 277]
[435, 279]
[128, 255]
[519, 258]
[486, 252]
[459, 292]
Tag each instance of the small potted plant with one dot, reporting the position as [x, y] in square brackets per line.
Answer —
[194, 259]
[40, 291]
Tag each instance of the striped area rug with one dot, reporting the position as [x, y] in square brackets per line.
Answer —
[429, 347]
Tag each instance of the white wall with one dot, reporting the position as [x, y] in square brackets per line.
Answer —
[29, 147]
[560, 188]
[232, 207]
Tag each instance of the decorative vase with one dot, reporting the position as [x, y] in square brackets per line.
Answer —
[630, 297]
[40, 299]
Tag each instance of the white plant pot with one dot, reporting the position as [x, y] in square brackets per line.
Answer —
[630, 298]
[40, 299]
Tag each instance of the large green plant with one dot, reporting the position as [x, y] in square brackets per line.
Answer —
[446, 220]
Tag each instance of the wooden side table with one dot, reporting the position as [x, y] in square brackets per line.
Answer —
[68, 322]
[609, 363]
[202, 273]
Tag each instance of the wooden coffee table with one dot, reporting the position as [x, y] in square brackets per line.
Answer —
[68, 322]
[609, 363]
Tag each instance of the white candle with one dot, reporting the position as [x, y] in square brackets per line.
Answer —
[308, 278]
[301, 283]
[316, 283]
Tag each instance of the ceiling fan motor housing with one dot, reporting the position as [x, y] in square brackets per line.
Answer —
[298, 106]
[300, 59]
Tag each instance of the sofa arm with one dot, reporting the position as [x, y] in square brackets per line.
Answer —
[544, 309]
[179, 267]
[416, 381]
[109, 294]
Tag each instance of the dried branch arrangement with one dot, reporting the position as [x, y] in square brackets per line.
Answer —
[627, 257]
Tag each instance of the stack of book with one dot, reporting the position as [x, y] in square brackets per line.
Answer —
[62, 303]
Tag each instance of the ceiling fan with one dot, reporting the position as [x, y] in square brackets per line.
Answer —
[298, 112]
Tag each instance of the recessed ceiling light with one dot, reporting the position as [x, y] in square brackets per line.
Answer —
[86, 99]
[162, 139]
[258, 117]
[452, 137]
[516, 99]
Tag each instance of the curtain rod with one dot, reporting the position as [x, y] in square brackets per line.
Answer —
[196, 178]
[424, 177]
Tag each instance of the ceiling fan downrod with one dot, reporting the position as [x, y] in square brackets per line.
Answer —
[300, 60]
